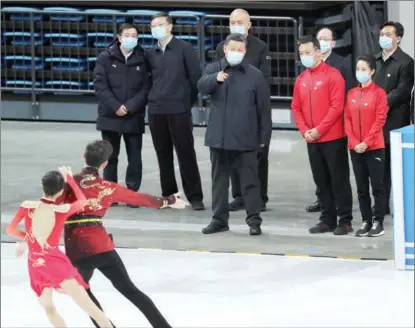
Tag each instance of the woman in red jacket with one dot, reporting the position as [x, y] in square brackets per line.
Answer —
[365, 116]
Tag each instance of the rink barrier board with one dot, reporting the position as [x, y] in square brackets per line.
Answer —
[403, 180]
[355, 258]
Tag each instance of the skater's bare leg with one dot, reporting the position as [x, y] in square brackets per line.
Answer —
[80, 296]
[47, 303]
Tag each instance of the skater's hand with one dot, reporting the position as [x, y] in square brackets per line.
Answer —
[178, 202]
[21, 248]
[65, 171]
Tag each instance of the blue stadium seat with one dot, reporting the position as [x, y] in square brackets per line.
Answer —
[106, 18]
[146, 41]
[68, 14]
[194, 40]
[24, 62]
[23, 84]
[65, 85]
[188, 20]
[101, 40]
[66, 40]
[91, 84]
[24, 38]
[23, 13]
[144, 15]
[63, 64]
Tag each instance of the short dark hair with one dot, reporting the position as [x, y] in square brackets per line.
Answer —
[333, 32]
[399, 29]
[370, 60]
[235, 37]
[309, 39]
[97, 153]
[126, 26]
[163, 14]
[52, 183]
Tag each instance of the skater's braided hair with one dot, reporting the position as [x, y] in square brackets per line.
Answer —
[97, 153]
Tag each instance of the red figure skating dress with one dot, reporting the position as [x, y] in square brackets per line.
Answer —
[44, 222]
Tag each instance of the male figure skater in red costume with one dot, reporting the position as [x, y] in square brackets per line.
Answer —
[87, 243]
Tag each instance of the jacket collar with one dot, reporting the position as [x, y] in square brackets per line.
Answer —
[371, 86]
[171, 45]
[398, 54]
[318, 68]
[47, 201]
[90, 170]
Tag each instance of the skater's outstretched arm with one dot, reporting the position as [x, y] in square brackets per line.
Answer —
[124, 195]
[81, 200]
[12, 229]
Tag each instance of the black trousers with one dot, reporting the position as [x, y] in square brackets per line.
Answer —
[369, 166]
[263, 164]
[387, 177]
[133, 147]
[112, 267]
[330, 167]
[246, 165]
[176, 131]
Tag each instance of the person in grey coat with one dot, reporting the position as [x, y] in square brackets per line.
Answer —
[239, 125]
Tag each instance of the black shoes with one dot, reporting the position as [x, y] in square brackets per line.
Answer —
[215, 227]
[197, 206]
[364, 229]
[377, 230]
[341, 229]
[255, 230]
[315, 207]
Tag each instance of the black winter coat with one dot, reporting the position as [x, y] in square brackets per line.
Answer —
[396, 77]
[120, 81]
[240, 117]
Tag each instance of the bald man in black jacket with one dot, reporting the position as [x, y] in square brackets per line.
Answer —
[327, 38]
[257, 54]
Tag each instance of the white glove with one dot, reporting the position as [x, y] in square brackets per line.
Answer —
[21, 248]
[179, 203]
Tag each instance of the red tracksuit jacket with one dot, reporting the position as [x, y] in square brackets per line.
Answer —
[89, 237]
[318, 102]
[365, 116]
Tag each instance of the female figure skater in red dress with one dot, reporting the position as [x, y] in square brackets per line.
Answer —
[49, 267]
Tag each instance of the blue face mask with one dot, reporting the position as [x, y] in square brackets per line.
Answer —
[129, 43]
[238, 29]
[308, 61]
[325, 46]
[362, 77]
[234, 57]
[159, 32]
[385, 43]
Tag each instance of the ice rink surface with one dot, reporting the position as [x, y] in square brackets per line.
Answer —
[29, 149]
[229, 290]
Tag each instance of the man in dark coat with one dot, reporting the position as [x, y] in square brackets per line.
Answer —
[238, 127]
[175, 70]
[121, 83]
[395, 74]
[327, 38]
[257, 54]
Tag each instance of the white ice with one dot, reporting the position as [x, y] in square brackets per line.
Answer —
[228, 290]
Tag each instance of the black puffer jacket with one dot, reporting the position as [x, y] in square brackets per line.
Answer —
[120, 81]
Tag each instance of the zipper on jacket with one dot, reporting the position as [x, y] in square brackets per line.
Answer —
[226, 108]
[360, 115]
[310, 91]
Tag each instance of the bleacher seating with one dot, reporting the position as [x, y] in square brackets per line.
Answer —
[61, 44]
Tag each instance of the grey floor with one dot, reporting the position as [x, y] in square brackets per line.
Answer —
[30, 149]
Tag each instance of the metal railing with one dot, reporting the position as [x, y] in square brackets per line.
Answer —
[54, 51]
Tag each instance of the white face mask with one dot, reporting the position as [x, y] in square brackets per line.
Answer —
[325, 46]
[239, 29]
[234, 57]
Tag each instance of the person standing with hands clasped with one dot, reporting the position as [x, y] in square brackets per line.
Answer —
[121, 83]
[318, 107]
[365, 116]
[239, 126]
